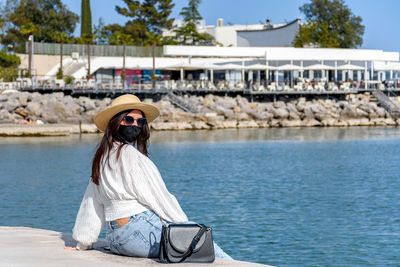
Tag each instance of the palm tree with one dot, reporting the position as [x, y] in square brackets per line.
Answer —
[62, 38]
[119, 38]
[154, 40]
[29, 29]
[87, 39]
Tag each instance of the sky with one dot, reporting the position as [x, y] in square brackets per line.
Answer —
[380, 18]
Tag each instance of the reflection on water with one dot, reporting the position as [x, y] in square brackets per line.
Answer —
[232, 135]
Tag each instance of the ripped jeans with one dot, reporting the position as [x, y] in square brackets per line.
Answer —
[140, 237]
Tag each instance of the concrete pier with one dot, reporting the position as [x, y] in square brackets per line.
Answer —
[24, 246]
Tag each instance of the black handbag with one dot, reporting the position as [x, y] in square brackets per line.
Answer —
[186, 243]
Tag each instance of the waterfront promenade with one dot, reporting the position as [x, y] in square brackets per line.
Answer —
[24, 246]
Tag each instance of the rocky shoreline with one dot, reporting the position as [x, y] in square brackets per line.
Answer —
[214, 112]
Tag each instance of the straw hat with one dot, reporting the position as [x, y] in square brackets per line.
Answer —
[121, 103]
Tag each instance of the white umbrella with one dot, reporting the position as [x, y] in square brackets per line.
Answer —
[350, 67]
[230, 66]
[185, 66]
[289, 67]
[259, 67]
[319, 67]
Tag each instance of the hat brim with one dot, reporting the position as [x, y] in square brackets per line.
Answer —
[101, 120]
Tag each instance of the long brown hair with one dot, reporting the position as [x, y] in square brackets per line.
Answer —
[110, 136]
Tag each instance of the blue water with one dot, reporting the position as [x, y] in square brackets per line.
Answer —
[285, 197]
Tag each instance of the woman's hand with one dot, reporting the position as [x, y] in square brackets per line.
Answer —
[71, 248]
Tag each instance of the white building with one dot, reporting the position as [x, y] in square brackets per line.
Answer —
[268, 34]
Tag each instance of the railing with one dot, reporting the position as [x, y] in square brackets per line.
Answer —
[387, 103]
[95, 50]
[197, 85]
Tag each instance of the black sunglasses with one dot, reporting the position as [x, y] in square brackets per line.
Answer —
[129, 120]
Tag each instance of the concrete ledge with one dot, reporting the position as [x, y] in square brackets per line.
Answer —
[46, 129]
[24, 246]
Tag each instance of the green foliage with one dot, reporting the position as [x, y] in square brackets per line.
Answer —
[330, 23]
[120, 38]
[191, 13]
[9, 74]
[150, 17]
[42, 18]
[59, 74]
[69, 79]
[86, 18]
[9, 60]
[61, 37]
[188, 34]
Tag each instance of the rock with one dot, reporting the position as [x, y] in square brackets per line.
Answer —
[361, 113]
[310, 122]
[263, 124]
[353, 122]
[329, 122]
[366, 122]
[158, 126]
[280, 113]
[274, 123]
[21, 111]
[224, 124]
[261, 115]
[308, 114]
[379, 121]
[34, 108]
[390, 122]
[280, 104]
[49, 116]
[293, 116]
[5, 116]
[381, 112]
[291, 123]
[199, 125]
[242, 116]
[23, 99]
[247, 124]
[10, 105]
[348, 112]
[292, 109]
[3, 97]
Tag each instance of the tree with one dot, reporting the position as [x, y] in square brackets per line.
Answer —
[9, 60]
[150, 17]
[119, 38]
[48, 16]
[329, 23]
[62, 38]
[104, 34]
[86, 18]
[187, 34]
[154, 40]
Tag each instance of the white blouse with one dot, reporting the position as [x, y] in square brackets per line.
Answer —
[130, 185]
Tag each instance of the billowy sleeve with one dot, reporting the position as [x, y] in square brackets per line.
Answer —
[90, 219]
[152, 192]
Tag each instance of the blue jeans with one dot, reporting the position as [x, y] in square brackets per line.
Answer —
[140, 237]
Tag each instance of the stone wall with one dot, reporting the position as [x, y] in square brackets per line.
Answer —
[216, 112]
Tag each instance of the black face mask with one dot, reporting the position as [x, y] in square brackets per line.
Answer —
[129, 133]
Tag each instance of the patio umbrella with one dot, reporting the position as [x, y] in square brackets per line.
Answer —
[259, 67]
[230, 66]
[289, 67]
[319, 67]
[350, 67]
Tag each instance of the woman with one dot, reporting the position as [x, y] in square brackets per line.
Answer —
[126, 191]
